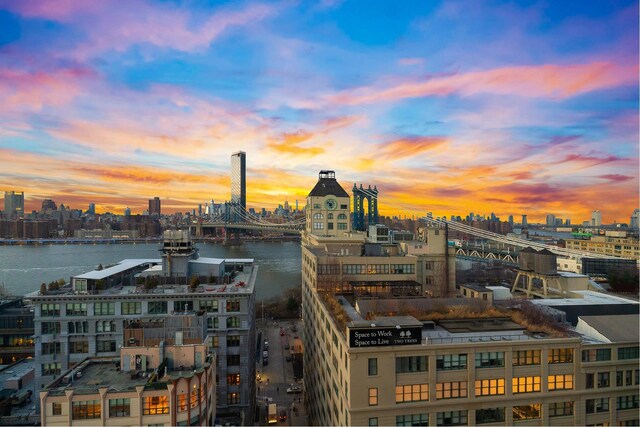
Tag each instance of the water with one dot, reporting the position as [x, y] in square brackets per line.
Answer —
[24, 268]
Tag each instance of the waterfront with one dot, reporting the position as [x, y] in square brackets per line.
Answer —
[23, 268]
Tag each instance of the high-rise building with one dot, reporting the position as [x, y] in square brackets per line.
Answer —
[13, 204]
[92, 209]
[239, 179]
[510, 220]
[127, 211]
[524, 220]
[551, 220]
[596, 218]
[154, 206]
[635, 219]
[49, 205]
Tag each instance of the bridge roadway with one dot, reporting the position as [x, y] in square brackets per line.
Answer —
[284, 228]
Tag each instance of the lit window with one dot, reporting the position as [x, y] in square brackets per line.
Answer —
[373, 396]
[526, 384]
[560, 382]
[85, 410]
[155, 405]
[526, 412]
[451, 390]
[412, 393]
[489, 387]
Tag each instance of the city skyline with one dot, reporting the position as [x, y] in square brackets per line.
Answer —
[447, 108]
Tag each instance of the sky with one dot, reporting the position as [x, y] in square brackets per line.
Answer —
[525, 107]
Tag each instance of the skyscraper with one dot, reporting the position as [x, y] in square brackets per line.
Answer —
[92, 209]
[524, 220]
[551, 220]
[633, 223]
[596, 218]
[154, 206]
[239, 179]
[13, 204]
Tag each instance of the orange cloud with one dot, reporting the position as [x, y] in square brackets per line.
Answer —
[548, 81]
[411, 146]
[289, 143]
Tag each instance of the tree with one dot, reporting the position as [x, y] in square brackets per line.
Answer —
[43, 289]
[100, 267]
[292, 304]
[195, 282]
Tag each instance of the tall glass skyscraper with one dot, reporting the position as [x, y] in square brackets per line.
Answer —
[13, 204]
[239, 179]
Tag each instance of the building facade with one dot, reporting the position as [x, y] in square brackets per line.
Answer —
[13, 204]
[154, 206]
[625, 247]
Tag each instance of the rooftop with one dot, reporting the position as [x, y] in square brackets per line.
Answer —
[120, 267]
[327, 186]
[16, 370]
[586, 298]
[618, 328]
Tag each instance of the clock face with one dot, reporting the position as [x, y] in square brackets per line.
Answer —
[331, 204]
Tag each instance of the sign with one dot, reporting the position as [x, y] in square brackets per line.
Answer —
[377, 337]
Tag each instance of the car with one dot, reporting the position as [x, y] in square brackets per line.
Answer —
[265, 354]
[266, 345]
[282, 332]
[286, 346]
[259, 378]
[294, 389]
[283, 416]
[288, 358]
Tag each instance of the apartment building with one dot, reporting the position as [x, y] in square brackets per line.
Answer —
[165, 375]
[625, 247]
[87, 318]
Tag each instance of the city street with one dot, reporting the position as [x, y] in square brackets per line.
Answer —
[277, 375]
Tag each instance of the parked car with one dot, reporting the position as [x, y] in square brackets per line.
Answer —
[259, 378]
[282, 332]
[266, 345]
[286, 346]
[294, 389]
[283, 416]
[288, 358]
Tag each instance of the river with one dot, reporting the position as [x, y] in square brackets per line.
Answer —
[23, 268]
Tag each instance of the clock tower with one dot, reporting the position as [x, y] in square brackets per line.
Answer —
[328, 205]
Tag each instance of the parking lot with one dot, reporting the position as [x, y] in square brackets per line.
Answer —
[276, 382]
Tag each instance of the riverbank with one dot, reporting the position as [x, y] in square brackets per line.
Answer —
[73, 241]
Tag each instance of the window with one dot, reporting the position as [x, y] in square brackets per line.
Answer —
[589, 381]
[411, 364]
[561, 355]
[155, 405]
[193, 398]
[526, 357]
[318, 225]
[233, 398]
[451, 390]
[452, 418]
[489, 415]
[233, 341]
[52, 368]
[373, 366]
[412, 420]
[213, 323]
[342, 226]
[560, 382]
[316, 206]
[50, 347]
[233, 359]
[78, 327]
[318, 215]
[131, 307]
[50, 310]
[104, 309]
[105, 346]
[233, 305]
[342, 216]
[105, 326]
[56, 408]
[354, 269]
[76, 309]
[373, 421]
[626, 353]
[446, 362]
[596, 355]
[603, 379]
[50, 328]
[560, 409]
[210, 306]
[526, 412]
[377, 268]
[119, 407]
[233, 379]
[627, 402]
[525, 384]
[490, 359]
[79, 347]
[489, 387]
[373, 396]
[412, 393]
[233, 322]
[157, 307]
[183, 306]
[402, 268]
[597, 405]
[182, 402]
[85, 410]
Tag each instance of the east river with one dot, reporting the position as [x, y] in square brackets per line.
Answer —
[24, 268]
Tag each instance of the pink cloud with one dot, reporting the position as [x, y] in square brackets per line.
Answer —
[549, 81]
[111, 26]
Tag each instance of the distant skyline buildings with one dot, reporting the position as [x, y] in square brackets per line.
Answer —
[154, 206]
[13, 204]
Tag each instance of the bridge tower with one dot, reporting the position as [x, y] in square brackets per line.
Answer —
[360, 196]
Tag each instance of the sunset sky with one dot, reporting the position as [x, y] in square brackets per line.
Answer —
[447, 107]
